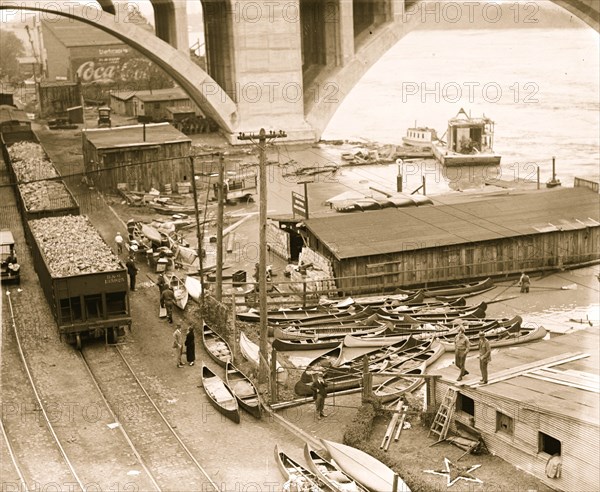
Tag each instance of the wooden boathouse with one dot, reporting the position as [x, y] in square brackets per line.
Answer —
[143, 156]
[541, 400]
[382, 249]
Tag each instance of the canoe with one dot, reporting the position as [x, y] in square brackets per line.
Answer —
[306, 344]
[396, 386]
[243, 389]
[329, 473]
[404, 297]
[302, 317]
[364, 468]
[179, 289]
[220, 395]
[440, 315]
[194, 287]
[151, 233]
[295, 473]
[251, 352]
[460, 289]
[215, 345]
[501, 337]
[292, 333]
[162, 208]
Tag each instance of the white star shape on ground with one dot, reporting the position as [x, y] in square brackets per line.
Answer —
[455, 473]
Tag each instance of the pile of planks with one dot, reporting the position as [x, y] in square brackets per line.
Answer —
[395, 426]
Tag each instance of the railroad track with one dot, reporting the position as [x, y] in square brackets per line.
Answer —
[155, 442]
[36, 451]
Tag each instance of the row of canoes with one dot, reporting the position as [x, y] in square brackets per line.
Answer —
[345, 469]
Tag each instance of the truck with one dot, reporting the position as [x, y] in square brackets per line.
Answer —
[9, 268]
[84, 283]
[237, 187]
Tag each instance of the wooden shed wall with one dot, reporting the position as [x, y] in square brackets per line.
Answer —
[580, 446]
[56, 99]
[161, 164]
[464, 261]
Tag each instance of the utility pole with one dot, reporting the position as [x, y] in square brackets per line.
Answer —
[220, 197]
[199, 238]
[262, 262]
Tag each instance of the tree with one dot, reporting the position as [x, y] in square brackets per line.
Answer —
[12, 48]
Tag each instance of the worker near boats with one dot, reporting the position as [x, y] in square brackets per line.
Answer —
[485, 356]
[119, 243]
[524, 282]
[167, 299]
[132, 270]
[319, 389]
[461, 349]
[162, 284]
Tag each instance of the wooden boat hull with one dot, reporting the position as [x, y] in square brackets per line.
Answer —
[215, 346]
[243, 389]
[179, 289]
[449, 158]
[522, 335]
[364, 468]
[326, 333]
[220, 395]
[329, 473]
[251, 352]
[194, 287]
[396, 386]
[290, 468]
[469, 288]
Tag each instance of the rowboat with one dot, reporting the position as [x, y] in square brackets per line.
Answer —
[179, 289]
[251, 352]
[460, 289]
[243, 389]
[220, 395]
[194, 287]
[330, 473]
[294, 473]
[215, 345]
[396, 386]
[364, 468]
[501, 337]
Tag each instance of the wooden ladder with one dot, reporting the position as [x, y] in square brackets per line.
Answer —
[441, 422]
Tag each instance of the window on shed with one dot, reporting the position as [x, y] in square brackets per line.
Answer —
[548, 444]
[504, 423]
[465, 404]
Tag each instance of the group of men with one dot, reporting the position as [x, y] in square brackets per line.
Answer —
[462, 347]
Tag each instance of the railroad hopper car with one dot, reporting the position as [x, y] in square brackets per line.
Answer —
[86, 287]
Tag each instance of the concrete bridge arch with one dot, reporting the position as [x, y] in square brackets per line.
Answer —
[201, 88]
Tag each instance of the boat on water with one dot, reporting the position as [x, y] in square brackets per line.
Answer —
[215, 346]
[330, 473]
[244, 390]
[420, 136]
[220, 394]
[179, 289]
[297, 476]
[251, 352]
[469, 142]
[364, 468]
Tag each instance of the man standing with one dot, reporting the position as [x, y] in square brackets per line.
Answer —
[190, 346]
[319, 388]
[162, 284]
[461, 349]
[132, 270]
[119, 243]
[524, 283]
[485, 356]
[167, 300]
[178, 345]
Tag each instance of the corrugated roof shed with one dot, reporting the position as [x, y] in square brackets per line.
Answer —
[546, 396]
[394, 230]
[124, 136]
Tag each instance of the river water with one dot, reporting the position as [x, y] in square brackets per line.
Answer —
[540, 86]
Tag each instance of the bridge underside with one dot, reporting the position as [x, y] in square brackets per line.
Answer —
[273, 65]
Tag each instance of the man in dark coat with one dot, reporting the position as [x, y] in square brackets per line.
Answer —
[162, 284]
[190, 346]
[167, 299]
[319, 388]
[132, 270]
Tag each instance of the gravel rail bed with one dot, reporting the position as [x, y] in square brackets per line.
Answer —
[158, 445]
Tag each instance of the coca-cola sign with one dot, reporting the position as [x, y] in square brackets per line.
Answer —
[113, 70]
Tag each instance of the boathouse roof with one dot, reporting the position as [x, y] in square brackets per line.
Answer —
[568, 389]
[133, 135]
[394, 230]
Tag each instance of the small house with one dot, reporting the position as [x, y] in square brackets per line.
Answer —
[143, 156]
[157, 105]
